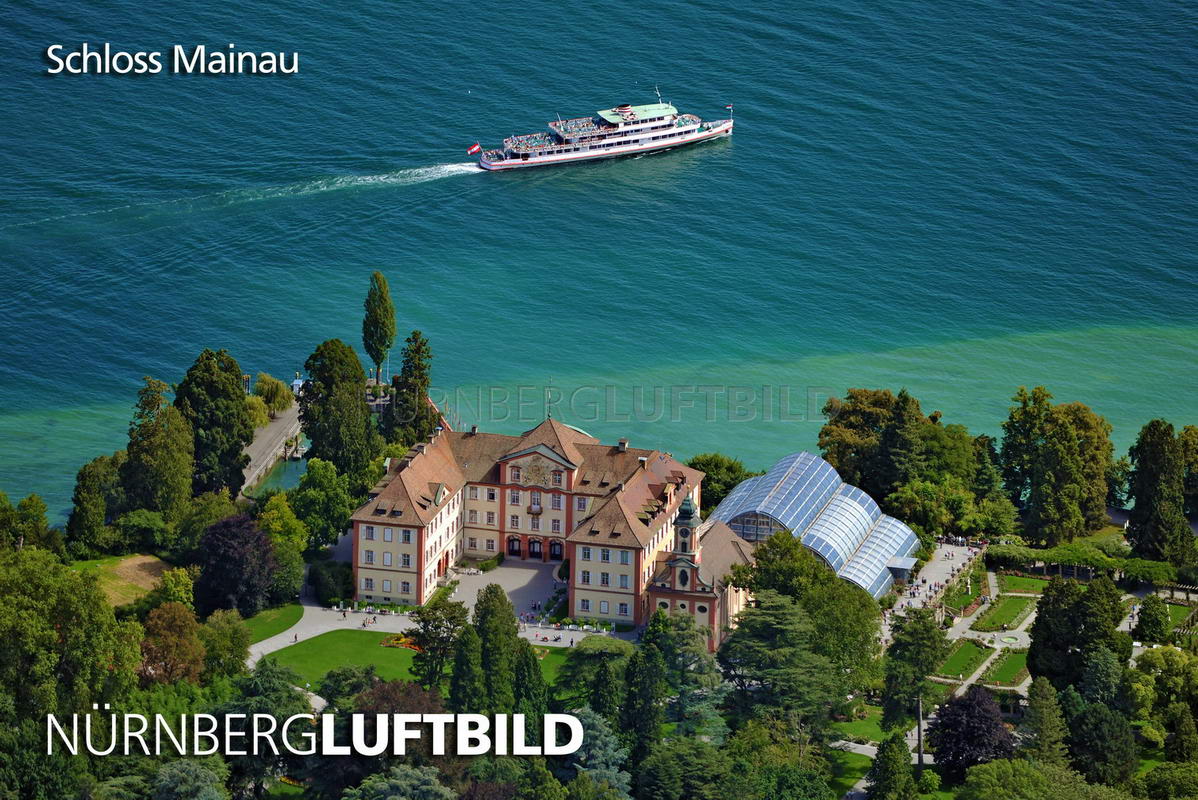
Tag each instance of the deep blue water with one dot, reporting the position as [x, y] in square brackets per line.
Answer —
[954, 198]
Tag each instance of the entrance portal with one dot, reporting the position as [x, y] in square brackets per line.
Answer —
[513, 546]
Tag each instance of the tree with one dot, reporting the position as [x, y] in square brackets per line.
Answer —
[583, 662]
[1022, 432]
[1153, 623]
[410, 417]
[341, 685]
[157, 472]
[236, 567]
[438, 625]
[721, 474]
[1102, 676]
[768, 659]
[226, 639]
[692, 674]
[333, 410]
[539, 782]
[269, 689]
[1095, 454]
[601, 757]
[281, 524]
[1102, 745]
[968, 730]
[172, 650]
[642, 715]
[851, 437]
[202, 512]
[26, 525]
[97, 500]
[1053, 652]
[1157, 526]
[918, 648]
[769, 760]
[605, 692]
[682, 769]
[143, 530]
[258, 413]
[322, 502]
[1182, 743]
[403, 781]
[276, 394]
[891, 777]
[43, 670]
[378, 323]
[1188, 439]
[467, 686]
[1171, 781]
[211, 397]
[901, 456]
[495, 621]
[531, 691]
[1030, 780]
[1043, 732]
[1054, 504]
[185, 779]
[584, 787]
[287, 577]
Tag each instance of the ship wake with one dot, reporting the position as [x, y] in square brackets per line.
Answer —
[231, 197]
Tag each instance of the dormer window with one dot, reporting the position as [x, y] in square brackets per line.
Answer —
[557, 477]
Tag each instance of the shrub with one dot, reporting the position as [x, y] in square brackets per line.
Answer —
[331, 579]
[491, 563]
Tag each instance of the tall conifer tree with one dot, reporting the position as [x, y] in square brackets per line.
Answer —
[378, 322]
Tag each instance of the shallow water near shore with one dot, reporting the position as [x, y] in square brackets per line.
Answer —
[953, 200]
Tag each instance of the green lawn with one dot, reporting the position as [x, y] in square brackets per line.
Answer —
[940, 692]
[314, 657]
[1020, 583]
[1149, 758]
[1177, 614]
[1008, 610]
[1009, 670]
[124, 579]
[868, 727]
[847, 768]
[285, 790]
[272, 621]
[965, 657]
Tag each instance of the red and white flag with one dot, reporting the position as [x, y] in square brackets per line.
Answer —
[474, 148]
[728, 106]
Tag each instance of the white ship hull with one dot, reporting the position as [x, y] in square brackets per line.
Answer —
[713, 130]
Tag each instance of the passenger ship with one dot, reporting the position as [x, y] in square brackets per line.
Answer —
[618, 131]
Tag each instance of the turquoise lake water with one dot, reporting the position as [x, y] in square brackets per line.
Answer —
[954, 198]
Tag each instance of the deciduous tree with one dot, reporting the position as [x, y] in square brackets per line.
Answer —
[97, 500]
[438, 625]
[211, 397]
[1153, 622]
[276, 394]
[236, 567]
[968, 730]
[721, 475]
[157, 472]
[333, 410]
[226, 640]
[171, 650]
[322, 502]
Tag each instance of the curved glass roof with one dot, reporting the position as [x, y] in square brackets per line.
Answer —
[840, 523]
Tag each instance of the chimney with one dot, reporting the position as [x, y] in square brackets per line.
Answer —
[622, 445]
[420, 447]
[644, 462]
[474, 429]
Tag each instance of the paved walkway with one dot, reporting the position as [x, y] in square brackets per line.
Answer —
[268, 442]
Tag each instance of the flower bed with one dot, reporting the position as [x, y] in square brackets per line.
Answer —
[1006, 610]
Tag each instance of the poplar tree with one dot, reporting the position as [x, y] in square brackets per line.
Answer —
[1043, 729]
[212, 398]
[495, 620]
[467, 686]
[157, 472]
[1157, 527]
[378, 323]
[1182, 744]
[891, 777]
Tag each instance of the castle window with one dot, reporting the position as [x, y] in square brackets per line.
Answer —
[515, 473]
[701, 609]
[683, 577]
[663, 604]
